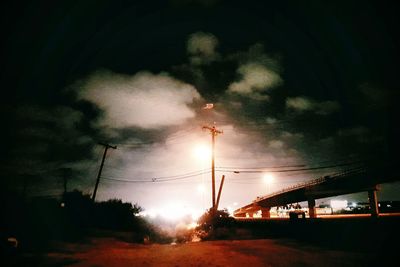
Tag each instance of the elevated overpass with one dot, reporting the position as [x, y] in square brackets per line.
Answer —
[350, 181]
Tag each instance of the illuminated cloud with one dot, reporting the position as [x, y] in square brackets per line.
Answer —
[256, 78]
[258, 72]
[271, 120]
[275, 144]
[201, 48]
[291, 136]
[143, 100]
[301, 104]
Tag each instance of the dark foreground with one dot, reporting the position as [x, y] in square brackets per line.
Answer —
[379, 236]
[261, 252]
[333, 242]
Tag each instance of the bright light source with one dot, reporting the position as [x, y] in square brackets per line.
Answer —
[338, 204]
[202, 152]
[201, 188]
[174, 212]
[149, 213]
[268, 178]
[230, 210]
[196, 214]
[191, 225]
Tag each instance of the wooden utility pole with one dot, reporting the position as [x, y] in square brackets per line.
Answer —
[66, 175]
[219, 191]
[106, 147]
[214, 132]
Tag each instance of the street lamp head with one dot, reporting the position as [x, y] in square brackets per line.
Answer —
[202, 152]
[268, 178]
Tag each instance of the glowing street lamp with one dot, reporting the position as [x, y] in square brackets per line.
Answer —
[268, 179]
[202, 152]
[201, 189]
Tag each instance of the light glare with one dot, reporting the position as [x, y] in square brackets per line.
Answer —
[201, 189]
[202, 152]
[268, 178]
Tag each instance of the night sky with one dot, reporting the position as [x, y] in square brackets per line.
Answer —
[298, 83]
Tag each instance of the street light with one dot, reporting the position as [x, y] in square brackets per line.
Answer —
[202, 152]
[201, 189]
[268, 179]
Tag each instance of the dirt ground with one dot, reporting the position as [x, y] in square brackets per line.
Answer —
[263, 252]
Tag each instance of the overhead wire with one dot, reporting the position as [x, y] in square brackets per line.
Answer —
[263, 169]
[206, 171]
[268, 167]
[157, 180]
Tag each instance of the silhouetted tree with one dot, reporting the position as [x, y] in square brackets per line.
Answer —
[116, 215]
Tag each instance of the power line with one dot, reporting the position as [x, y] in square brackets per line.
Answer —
[162, 178]
[261, 182]
[264, 169]
[185, 174]
[270, 167]
[225, 169]
[175, 176]
[289, 169]
[156, 180]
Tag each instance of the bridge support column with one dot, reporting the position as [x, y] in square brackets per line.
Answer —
[311, 208]
[373, 203]
[265, 212]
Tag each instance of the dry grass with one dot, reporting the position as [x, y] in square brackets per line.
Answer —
[263, 252]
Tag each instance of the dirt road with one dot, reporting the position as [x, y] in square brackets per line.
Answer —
[265, 252]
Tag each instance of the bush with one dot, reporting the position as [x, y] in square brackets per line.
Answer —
[35, 222]
[215, 225]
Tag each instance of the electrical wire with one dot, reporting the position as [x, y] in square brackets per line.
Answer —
[269, 167]
[257, 170]
[206, 171]
[156, 180]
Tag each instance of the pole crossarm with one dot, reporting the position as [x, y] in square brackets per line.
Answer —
[107, 145]
[213, 130]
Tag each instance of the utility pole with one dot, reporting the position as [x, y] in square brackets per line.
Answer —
[106, 147]
[214, 132]
[66, 175]
[219, 191]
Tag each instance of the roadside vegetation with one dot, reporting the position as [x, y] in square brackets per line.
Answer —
[37, 222]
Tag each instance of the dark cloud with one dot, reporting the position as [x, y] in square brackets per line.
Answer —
[201, 48]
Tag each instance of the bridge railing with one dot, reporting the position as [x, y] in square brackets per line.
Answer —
[316, 181]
